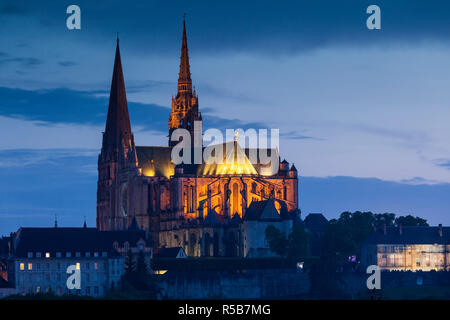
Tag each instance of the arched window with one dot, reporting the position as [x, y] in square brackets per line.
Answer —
[235, 198]
[191, 199]
[216, 244]
[192, 243]
[208, 244]
[185, 199]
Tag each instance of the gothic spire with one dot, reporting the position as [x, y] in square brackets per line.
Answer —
[184, 77]
[118, 121]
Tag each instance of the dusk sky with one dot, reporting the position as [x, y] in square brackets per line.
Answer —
[363, 114]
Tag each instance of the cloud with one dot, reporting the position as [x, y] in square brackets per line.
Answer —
[418, 181]
[445, 163]
[294, 135]
[24, 62]
[29, 157]
[270, 28]
[13, 9]
[90, 108]
[221, 93]
[67, 63]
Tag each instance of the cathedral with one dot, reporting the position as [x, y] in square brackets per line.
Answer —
[207, 209]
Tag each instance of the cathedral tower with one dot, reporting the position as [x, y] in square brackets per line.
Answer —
[185, 104]
[117, 156]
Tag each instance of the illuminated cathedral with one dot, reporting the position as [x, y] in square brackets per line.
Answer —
[207, 209]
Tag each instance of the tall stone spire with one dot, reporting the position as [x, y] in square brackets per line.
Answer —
[184, 77]
[185, 104]
[117, 158]
[118, 121]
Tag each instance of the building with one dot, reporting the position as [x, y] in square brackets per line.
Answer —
[259, 216]
[408, 249]
[40, 257]
[163, 253]
[199, 207]
[316, 224]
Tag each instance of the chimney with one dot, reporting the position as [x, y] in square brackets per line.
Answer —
[400, 230]
[440, 229]
[384, 229]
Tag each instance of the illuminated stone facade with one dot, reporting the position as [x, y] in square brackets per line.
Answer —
[408, 249]
[197, 207]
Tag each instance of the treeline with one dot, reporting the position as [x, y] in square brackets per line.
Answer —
[342, 240]
[345, 235]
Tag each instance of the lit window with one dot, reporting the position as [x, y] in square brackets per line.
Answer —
[22, 266]
[78, 266]
[95, 265]
[47, 255]
[30, 266]
[38, 289]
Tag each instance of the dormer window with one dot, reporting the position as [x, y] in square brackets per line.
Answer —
[88, 254]
[68, 254]
[104, 254]
[58, 254]
[47, 255]
[38, 254]
[96, 254]
[30, 255]
[77, 254]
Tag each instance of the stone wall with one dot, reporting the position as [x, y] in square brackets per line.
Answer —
[252, 284]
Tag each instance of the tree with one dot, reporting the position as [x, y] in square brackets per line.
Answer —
[277, 240]
[384, 219]
[295, 246]
[344, 236]
[298, 243]
[136, 272]
[411, 221]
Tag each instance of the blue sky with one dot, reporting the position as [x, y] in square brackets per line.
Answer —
[362, 114]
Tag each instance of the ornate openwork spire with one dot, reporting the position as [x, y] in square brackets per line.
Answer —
[184, 77]
[185, 103]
